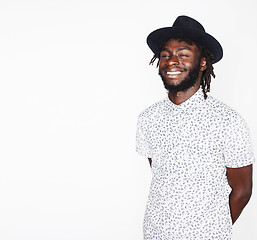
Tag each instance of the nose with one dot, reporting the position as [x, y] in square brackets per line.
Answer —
[173, 60]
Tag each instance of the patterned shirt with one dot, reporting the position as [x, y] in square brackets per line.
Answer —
[191, 145]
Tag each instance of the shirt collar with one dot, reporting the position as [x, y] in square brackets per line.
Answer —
[193, 102]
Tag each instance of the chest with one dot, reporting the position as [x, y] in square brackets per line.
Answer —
[195, 136]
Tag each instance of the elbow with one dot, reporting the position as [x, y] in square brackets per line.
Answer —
[247, 193]
[243, 195]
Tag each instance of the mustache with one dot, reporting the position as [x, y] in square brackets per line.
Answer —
[167, 68]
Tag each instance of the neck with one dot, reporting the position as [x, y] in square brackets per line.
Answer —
[180, 97]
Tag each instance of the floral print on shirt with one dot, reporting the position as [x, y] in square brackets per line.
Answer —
[191, 145]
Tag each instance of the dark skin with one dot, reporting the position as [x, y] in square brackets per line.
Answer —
[240, 180]
[176, 60]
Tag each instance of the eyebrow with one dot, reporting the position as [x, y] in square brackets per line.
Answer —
[178, 49]
[184, 48]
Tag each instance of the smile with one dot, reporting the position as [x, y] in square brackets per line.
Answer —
[173, 73]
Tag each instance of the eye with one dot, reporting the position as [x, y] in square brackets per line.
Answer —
[181, 55]
[184, 53]
[165, 55]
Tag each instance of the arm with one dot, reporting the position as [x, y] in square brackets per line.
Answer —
[150, 161]
[240, 180]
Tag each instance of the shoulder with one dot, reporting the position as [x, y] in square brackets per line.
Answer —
[223, 111]
[153, 110]
[221, 108]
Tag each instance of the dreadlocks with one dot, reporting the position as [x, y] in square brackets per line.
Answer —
[207, 73]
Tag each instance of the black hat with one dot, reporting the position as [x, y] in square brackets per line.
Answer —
[189, 28]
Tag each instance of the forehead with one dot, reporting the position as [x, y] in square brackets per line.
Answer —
[174, 44]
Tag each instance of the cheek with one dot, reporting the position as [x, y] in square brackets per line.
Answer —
[196, 63]
[162, 63]
[188, 65]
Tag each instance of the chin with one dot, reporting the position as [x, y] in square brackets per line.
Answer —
[184, 85]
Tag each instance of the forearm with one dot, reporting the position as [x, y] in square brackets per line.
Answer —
[240, 181]
[237, 202]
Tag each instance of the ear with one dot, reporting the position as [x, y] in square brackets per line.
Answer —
[203, 65]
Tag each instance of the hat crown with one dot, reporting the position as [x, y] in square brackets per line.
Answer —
[188, 22]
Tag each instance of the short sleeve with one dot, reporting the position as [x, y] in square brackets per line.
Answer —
[142, 146]
[238, 147]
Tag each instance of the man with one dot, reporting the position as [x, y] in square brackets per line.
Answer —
[199, 149]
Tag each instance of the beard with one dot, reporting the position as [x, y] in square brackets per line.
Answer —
[186, 83]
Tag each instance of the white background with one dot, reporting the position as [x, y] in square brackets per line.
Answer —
[74, 76]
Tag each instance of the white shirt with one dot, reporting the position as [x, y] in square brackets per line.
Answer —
[191, 145]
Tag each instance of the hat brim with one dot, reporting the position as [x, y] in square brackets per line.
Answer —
[160, 36]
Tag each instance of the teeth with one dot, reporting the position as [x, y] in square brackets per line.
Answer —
[174, 73]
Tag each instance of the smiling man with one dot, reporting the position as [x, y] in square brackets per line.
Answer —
[198, 148]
